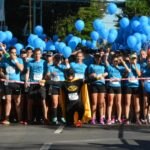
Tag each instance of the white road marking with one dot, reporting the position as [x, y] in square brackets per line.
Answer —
[59, 130]
[46, 146]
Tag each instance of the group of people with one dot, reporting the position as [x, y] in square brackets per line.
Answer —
[103, 86]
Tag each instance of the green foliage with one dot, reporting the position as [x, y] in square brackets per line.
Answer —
[87, 14]
[137, 8]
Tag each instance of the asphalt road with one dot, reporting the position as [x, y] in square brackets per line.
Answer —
[19, 137]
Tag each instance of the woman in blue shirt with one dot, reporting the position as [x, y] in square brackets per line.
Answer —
[146, 83]
[133, 89]
[114, 86]
[97, 88]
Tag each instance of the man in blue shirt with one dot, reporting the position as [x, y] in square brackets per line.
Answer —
[35, 73]
[13, 67]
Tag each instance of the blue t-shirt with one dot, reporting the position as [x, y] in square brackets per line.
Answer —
[115, 73]
[37, 70]
[146, 72]
[12, 72]
[133, 82]
[97, 69]
[88, 60]
[57, 72]
[79, 69]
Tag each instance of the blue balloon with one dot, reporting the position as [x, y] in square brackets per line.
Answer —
[98, 25]
[68, 37]
[52, 48]
[9, 36]
[146, 29]
[60, 47]
[79, 25]
[111, 38]
[147, 86]
[113, 31]
[138, 47]
[93, 45]
[13, 41]
[138, 37]
[104, 33]
[124, 22]
[38, 43]
[38, 30]
[112, 8]
[94, 35]
[3, 36]
[66, 52]
[135, 24]
[143, 19]
[143, 38]
[48, 45]
[74, 41]
[55, 37]
[18, 46]
[131, 41]
[31, 39]
[83, 42]
[88, 44]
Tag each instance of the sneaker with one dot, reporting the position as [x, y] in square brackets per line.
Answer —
[119, 121]
[144, 121]
[5, 122]
[138, 122]
[55, 121]
[78, 124]
[102, 121]
[62, 120]
[109, 122]
[113, 120]
[93, 122]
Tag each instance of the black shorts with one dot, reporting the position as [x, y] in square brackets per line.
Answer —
[37, 92]
[132, 90]
[95, 88]
[12, 89]
[55, 90]
[1, 88]
[113, 90]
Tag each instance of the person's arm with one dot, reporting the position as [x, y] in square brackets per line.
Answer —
[125, 65]
[137, 69]
[27, 78]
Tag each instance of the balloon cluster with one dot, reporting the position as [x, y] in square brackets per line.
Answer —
[131, 33]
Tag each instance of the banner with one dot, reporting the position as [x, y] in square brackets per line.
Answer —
[2, 11]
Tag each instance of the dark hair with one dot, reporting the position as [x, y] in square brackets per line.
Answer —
[11, 47]
[37, 50]
[69, 72]
[29, 48]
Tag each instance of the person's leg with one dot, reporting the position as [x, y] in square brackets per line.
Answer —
[119, 107]
[54, 107]
[8, 106]
[70, 114]
[127, 105]
[137, 107]
[145, 106]
[101, 105]
[17, 99]
[109, 107]
[94, 105]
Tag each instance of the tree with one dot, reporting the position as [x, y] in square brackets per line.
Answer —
[137, 8]
[87, 14]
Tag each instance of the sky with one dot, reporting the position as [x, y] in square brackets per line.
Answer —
[110, 20]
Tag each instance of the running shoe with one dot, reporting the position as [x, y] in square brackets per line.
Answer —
[78, 124]
[102, 121]
[5, 122]
[109, 122]
[93, 121]
[113, 121]
[62, 120]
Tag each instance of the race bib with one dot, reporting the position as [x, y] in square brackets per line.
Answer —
[114, 82]
[37, 77]
[133, 80]
[10, 70]
[73, 96]
[79, 76]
